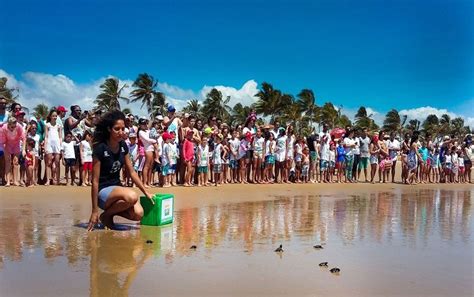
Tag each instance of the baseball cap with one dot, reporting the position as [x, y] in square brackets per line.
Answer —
[166, 136]
[61, 108]
[142, 121]
[159, 117]
[20, 112]
[171, 108]
[132, 135]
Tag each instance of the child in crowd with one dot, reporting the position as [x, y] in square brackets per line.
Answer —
[133, 153]
[434, 166]
[69, 157]
[234, 145]
[305, 165]
[299, 158]
[332, 161]
[203, 161]
[53, 142]
[86, 158]
[448, 166]
[424, 166]
[245, 144]
[217, 160]
[30, 162]
[461, 167]
[269, 157]
[258, 159]
[166, 159]
[174, 159]
[188, 154]
[225, 161]
[36, 151]
[340, 160]
[454, 166]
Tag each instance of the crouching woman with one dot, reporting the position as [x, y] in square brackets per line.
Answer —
[110, 154]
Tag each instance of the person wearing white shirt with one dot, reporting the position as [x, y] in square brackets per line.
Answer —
[364, 142]
[394, 147]
[349, 146]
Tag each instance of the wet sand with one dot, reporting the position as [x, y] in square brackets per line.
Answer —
[388, 240]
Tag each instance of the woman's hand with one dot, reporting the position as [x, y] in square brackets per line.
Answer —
[94, 219]
[149, 196]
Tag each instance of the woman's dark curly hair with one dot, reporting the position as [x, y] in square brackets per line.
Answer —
[102, 129]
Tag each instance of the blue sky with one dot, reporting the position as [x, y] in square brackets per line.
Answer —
[382, 54]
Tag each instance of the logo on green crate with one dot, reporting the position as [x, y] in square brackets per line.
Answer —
[167, 209]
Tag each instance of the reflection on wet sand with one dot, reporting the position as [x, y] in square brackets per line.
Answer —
[413, 218]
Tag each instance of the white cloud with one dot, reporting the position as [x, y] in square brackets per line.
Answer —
[420, 113]
[245, 95]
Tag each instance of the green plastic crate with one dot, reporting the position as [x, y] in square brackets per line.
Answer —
[159, 214]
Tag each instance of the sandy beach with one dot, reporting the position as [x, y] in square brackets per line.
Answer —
[387, 239]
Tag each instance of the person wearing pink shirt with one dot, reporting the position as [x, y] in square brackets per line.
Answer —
[188, 154]
[11, 135]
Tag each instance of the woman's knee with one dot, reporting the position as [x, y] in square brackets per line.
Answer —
[131, 197]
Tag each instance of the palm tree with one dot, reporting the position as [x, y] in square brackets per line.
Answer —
[111, 94]
[127, 110]
[293, 115]
[240, 113]
[362, 120]
[431, 125]
[193, 107]
[392, 121]
[328, 115]
[413, 125]
[216, 105]
[8, 93]
[457, 127]
[145, 91]
[41, 111]
[307, 104]
[271, 101]
[445, 124]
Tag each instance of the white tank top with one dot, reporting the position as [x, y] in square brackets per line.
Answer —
[53, 132]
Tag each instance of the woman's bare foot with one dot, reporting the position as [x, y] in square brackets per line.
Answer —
[107, 221]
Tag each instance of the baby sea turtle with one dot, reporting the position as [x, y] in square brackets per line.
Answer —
[149, 241]
[318, 247]
[323, 264]
[193, 247]
[335, 270]
[279, 249]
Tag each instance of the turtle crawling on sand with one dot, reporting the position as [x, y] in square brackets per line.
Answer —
[149, 241]
[279, 249]
[193, 247]
[318, 247]
[323, 264]
[335, 270]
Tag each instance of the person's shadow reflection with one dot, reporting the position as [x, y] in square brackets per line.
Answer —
[116, 258]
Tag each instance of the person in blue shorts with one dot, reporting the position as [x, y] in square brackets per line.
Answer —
[110, 154]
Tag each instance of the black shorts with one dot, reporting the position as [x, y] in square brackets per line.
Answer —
[70, 162]
[249, 154]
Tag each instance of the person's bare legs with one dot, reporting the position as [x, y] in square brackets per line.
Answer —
[123, 202]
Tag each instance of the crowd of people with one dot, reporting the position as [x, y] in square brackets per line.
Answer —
[181, 149]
